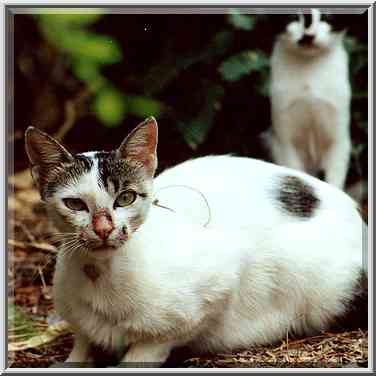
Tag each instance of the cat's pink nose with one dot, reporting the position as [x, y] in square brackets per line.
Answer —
[102, 223]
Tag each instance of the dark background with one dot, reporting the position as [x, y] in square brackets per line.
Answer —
[204, 77]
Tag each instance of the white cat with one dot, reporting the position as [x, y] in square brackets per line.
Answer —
[310, 98]
[282, 251]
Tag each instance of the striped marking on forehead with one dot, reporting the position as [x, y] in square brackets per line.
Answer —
[66, 174]
[111, 173]
[103, 163]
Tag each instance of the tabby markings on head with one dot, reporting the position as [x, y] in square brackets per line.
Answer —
[62, 175]
[296, 197]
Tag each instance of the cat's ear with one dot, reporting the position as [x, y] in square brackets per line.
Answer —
[44, 153]
[141, 145]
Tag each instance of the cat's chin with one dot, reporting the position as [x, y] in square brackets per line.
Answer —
[103, 252]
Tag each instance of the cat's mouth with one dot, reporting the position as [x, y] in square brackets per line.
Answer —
[103, 247]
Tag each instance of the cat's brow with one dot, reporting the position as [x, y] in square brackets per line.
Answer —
[63, 176]
[105, 162]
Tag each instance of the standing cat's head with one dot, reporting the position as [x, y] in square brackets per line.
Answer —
[311, 34]
[97, 199]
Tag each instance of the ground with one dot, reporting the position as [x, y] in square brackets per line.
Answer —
[38, 338]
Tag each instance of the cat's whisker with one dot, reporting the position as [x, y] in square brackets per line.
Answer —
[50, 258]
[64, 249]
[61, 235]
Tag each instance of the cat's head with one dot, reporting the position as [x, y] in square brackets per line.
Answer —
[97, 200]
[311, 33]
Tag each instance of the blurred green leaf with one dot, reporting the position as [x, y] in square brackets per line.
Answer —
[143, 106]
[242, 64]
[109, 106]
[85, 45]
[196, 131]
[85, 70]
[241, 21]
[263, 86]
[353, 45]
[222, 41]
[70, 19]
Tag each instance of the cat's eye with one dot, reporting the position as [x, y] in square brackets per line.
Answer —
[125, 198]
[75, 204]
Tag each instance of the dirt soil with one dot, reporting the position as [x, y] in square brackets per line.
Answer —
[31, 260]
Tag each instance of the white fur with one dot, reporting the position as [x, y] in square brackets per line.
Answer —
[253, 273]
[310, 98]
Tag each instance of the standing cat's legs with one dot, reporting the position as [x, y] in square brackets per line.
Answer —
[336, 163]
[153, 353]
[80, 351]
[286, 155]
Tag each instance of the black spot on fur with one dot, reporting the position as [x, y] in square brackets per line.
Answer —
[307, 20]
[356, 314]
[297, 197]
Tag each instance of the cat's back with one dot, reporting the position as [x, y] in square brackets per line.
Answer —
[241, 192]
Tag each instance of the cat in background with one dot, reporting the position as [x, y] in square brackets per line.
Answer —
[282, 251]
[310, 99]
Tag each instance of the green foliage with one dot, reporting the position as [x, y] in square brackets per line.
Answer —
[196, 130]
[142, 106]
[21, 326]
[163, 73]
[241, 21]
[89, 52]
[236, 66]
[109, 105]
[230, 57]
[70, 19]
[89, 46]
[87, 71]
